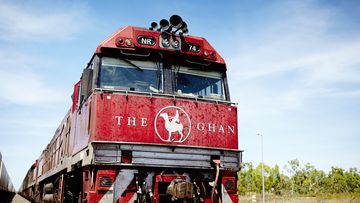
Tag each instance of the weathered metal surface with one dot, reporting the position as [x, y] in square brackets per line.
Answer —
[5, 182]
[131, 34]
[145, 132]
[165, 156]
[156, 120]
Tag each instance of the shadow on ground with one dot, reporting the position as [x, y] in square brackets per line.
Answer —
[6, 197]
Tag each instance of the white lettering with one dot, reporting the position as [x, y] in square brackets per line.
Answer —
[221, 129]
[143, 122]
[231, 129]
[200, 126]
[132, 121]
[118, 119]
[211, 127]
[146, 41]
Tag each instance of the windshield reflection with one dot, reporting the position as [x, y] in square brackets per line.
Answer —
[118, 74]
[196, 83]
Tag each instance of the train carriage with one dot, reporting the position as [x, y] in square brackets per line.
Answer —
[151, 121]
[7, 190]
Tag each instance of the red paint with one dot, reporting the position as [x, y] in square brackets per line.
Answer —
[141, 119]
[129, 193]
[75, 98]
[118, 41]
[104, 173]
[121, 118]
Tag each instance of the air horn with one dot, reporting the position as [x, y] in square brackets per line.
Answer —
[175, 22]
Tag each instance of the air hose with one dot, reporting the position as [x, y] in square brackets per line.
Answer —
[217, 164]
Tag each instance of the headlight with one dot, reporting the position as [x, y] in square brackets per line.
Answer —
[165, 42]
[175, 44]
[105, 181]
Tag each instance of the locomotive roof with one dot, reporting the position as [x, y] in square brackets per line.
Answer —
[130, 38]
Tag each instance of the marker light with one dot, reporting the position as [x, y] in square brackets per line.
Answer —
[165, 42]
[120, 42]
[175, 44]
[128, 42]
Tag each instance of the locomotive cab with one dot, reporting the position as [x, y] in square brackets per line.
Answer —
[149, 75]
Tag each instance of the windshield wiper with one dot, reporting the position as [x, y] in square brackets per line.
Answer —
[132, 64]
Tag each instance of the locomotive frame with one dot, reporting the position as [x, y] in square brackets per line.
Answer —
[170, 135]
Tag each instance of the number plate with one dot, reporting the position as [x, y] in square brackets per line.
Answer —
[145, 40]
[193, 48]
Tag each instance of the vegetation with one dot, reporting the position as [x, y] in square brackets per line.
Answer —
[297, 180]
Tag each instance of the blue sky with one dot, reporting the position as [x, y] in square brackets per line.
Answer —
[293, 68]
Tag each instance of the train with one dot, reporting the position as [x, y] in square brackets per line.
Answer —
[7, 190]
[151, 121]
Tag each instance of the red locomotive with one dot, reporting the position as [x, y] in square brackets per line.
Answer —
[151, 121]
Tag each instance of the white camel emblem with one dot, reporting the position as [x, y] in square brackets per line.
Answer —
[174, 125]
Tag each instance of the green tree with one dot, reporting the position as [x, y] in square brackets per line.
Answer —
[353, 180]
[278, 183]
[314, 180]
[258, 173]
[294, 169]
[247, 179]
[306, 180]
[336, 182]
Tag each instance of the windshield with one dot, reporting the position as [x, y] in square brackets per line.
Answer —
[142, 76]
[198, 83]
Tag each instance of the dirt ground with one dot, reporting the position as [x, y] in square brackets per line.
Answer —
[19, 199]
[280, 199]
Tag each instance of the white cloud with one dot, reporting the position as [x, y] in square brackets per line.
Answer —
[19, 84]
[337, 64]
[299, 41]
[30, 104]
[349, 93]
[26, 88]
[296, 79]
[24, 23]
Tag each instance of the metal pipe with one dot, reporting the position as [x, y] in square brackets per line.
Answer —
[217, 162]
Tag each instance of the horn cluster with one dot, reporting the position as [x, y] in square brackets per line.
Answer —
[175, 22]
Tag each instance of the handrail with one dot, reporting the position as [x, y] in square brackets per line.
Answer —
[167, 95]
[133, 54]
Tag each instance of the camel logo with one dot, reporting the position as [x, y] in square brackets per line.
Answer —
[172, 124]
